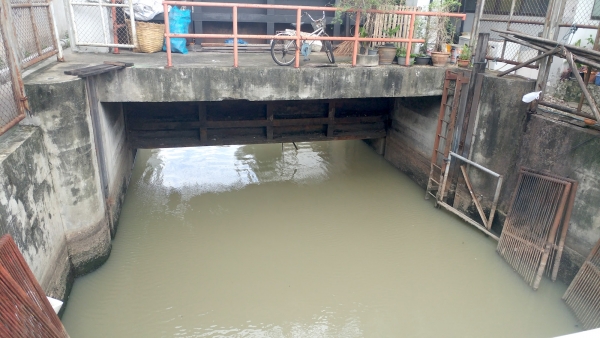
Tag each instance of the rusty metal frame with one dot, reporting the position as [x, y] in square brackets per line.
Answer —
[298, 9]
[485, 228]
[10, 45]
[41, 55]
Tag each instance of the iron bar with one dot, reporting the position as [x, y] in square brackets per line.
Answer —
[476, 165]
[523, 64]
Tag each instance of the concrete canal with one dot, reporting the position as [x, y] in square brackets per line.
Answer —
[329, 240]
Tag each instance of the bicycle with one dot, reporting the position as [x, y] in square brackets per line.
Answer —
[284, 51]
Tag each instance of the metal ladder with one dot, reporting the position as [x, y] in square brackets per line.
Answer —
[445, 132]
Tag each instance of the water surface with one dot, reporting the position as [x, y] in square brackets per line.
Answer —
[325, 241]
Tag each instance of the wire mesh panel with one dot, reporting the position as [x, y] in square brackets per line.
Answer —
[34, 27]
[103, 23]
[11, 110]
[581, 13]
[525, 16]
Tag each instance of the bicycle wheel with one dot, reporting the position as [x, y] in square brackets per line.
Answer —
[283, 51]
[329, 51]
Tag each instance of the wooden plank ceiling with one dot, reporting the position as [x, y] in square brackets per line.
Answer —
[188, 124]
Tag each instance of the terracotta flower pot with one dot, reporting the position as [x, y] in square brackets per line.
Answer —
[386, 55]
[463, 63]
[439, 59]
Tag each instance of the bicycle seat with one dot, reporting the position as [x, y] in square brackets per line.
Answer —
[301, 23]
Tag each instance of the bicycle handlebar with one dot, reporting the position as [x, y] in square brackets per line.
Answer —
[313, 20]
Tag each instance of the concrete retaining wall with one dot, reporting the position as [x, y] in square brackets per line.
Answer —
[51, 197]
[30, 210]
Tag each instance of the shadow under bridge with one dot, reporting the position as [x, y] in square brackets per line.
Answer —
[188, 124]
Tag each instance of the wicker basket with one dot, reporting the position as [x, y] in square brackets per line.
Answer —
[150, 36]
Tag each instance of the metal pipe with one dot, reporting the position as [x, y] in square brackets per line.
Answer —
[290, 37]
[115, 27]
[235, 36]
[468, 219]
[133, 25]
[478, 166]
[298, 29]
[60, 56]
[495, 202]
[167, 35]
[356, 40]
[410, 36]
[103, 23]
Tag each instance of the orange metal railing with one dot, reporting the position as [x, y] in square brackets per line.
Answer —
[234, 7]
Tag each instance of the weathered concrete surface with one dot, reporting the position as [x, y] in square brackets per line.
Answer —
[118, 156]
[409, 143]
[29, 208]
[269, 84]
[61, 110]
[196, 78]
[499, 131]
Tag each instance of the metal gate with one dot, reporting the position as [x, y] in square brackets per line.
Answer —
[34, 27]
[97, 23]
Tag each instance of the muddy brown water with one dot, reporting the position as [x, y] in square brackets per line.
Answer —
[328, 240]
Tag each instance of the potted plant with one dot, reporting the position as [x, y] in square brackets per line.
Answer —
[465, 57]
[421, 31]
[388, 50]
[401, 55]
[443, 29]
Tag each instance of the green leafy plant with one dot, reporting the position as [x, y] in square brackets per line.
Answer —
[400, 51]
[392, 31]
[465, 53]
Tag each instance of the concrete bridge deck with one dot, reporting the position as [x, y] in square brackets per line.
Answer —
[200, 76]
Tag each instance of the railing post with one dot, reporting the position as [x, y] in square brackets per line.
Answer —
[356, 32]
[410, 38]
[235, 38]
[298, 42]
[167, 35]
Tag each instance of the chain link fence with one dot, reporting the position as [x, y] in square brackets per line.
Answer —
[102, 23]
[9, 110]
[581, 13]
[34, 27]
[526, 16]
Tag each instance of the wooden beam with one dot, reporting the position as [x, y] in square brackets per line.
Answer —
[475, 200]
[202, 122]
[582, 85]
[142, 141]
[159, 125]
[269, 121]
[532, 60]
[524, 43]
[331, 117]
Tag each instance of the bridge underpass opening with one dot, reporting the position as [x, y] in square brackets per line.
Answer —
[184, 124]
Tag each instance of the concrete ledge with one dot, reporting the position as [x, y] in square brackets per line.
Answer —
[267, 84]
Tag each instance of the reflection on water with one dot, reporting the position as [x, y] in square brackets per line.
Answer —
[327, 240]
